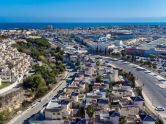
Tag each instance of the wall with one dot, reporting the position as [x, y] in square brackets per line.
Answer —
[8, 88]
[53, 115]
[11, 86]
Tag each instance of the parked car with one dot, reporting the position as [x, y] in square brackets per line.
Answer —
[160, 108]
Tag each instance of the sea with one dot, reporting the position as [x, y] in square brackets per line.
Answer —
[8, 26]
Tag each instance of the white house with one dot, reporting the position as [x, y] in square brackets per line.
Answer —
[58, 109]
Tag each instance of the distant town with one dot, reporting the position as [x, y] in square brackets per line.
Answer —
[91, 75]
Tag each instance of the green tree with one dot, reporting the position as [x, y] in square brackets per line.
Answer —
[4, 116]
[40, 49]
[129, 57]
[37, 84]
[86, 87]
[139, 91]
[122, 120]
[120, 72]
[47, 73]
[58, 49]
[90, 110]
[98, 63]
[59, 57]
[98, 78]
[40, 42]
[60, 67]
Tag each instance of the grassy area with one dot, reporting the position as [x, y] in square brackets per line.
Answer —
[4, 84]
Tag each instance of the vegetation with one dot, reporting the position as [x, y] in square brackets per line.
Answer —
[47, 73]
[98, 63]
[122, 120]
[88, 87]
[129, 76]
[98, 78]
[132, 58]
[36, 84]
[139, 91]
[109, 93]
[51, 60]
[90, 110]
[26, 103]
[2, 37]
[4, 84]
[4, 116]
[159, 122]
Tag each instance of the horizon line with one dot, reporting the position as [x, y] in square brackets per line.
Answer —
[89, 22]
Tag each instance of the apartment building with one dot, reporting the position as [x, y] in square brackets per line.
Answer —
[14, 64]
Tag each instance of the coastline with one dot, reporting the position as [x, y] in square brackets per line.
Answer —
[70, 25]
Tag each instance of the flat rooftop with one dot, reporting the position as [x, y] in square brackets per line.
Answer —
[53, 104]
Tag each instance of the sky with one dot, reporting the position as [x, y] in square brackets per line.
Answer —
[82, 10]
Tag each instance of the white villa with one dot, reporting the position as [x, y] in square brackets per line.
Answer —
[13, 64]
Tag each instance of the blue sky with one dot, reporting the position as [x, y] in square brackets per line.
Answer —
[82, 10]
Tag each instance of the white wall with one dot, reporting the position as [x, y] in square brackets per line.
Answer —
[8, 88]
[145, 122]
[11, 86]
[140, 104]
[53, 115]
[114, 120]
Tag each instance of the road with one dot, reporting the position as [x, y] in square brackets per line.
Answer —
[36, 107]
[156, 94]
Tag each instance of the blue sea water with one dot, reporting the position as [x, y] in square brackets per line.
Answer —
[69, 25]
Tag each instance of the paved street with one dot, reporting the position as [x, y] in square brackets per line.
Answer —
[19, 119]
[156, 95]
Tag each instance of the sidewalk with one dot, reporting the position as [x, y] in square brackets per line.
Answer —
[149, 105]
[37, 106]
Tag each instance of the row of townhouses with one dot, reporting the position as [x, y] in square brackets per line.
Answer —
[13, 64]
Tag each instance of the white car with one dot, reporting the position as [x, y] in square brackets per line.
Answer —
[160, 108]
